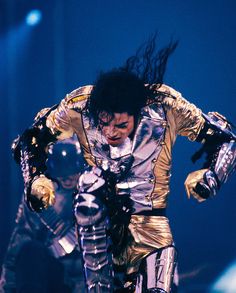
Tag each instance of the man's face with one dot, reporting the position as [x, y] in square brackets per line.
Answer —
[69, 182]
[116, 129]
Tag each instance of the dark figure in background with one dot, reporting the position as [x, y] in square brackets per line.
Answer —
[127, 125]
[43, 254]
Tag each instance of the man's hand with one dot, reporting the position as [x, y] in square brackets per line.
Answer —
[193, 179]
[42, 189]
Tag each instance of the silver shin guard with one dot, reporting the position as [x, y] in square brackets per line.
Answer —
[92, 225]
[157, 271]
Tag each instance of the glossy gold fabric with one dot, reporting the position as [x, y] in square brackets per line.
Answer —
[183, 118]
[147, 233]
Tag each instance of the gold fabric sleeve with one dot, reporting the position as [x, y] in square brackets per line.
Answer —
[67, 119]
[187, 118]
[64, 117]
[183, 118]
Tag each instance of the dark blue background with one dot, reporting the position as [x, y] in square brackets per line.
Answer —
[74, 41]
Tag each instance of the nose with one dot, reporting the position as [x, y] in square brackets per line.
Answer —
[111, 131]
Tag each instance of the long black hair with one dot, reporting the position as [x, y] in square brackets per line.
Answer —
[125, 89]
[149, 63]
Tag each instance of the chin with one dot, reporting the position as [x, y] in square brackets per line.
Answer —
[114, 144]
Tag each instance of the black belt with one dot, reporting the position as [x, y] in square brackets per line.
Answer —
[154, 212]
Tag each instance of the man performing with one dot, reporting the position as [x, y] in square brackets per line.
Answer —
[127, 125]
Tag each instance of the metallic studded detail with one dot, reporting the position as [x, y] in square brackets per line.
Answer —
[223, 165]
[226, 161]
[157, 271]
[148, 197]
[152, 180]
[33, 140]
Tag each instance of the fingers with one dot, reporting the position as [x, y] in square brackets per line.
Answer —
[191, 182]
[48, 199]
[43, 189]
[187, 190]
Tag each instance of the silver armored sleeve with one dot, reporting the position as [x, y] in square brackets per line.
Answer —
[220, 145]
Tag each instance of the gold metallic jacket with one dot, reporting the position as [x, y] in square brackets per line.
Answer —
[147, 181]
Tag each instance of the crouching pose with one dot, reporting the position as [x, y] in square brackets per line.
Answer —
[127, 125]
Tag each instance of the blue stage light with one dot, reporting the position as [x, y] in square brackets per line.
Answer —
[33, 17]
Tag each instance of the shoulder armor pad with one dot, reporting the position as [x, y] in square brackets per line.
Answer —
[77, 99]
[163, 93]
[218, 123]
[41, 113]
[166, 90]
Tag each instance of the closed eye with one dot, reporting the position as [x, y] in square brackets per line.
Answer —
[122, 125]
[102, 123]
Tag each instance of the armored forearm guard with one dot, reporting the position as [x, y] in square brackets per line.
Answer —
[29, 150]
[220, 146]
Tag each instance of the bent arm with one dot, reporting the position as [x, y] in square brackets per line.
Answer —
[30, 151]
[214, 132]
[219, 144]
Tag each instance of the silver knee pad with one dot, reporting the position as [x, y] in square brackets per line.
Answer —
[157, 271]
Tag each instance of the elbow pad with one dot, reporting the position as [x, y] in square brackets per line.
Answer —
[220, 147]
